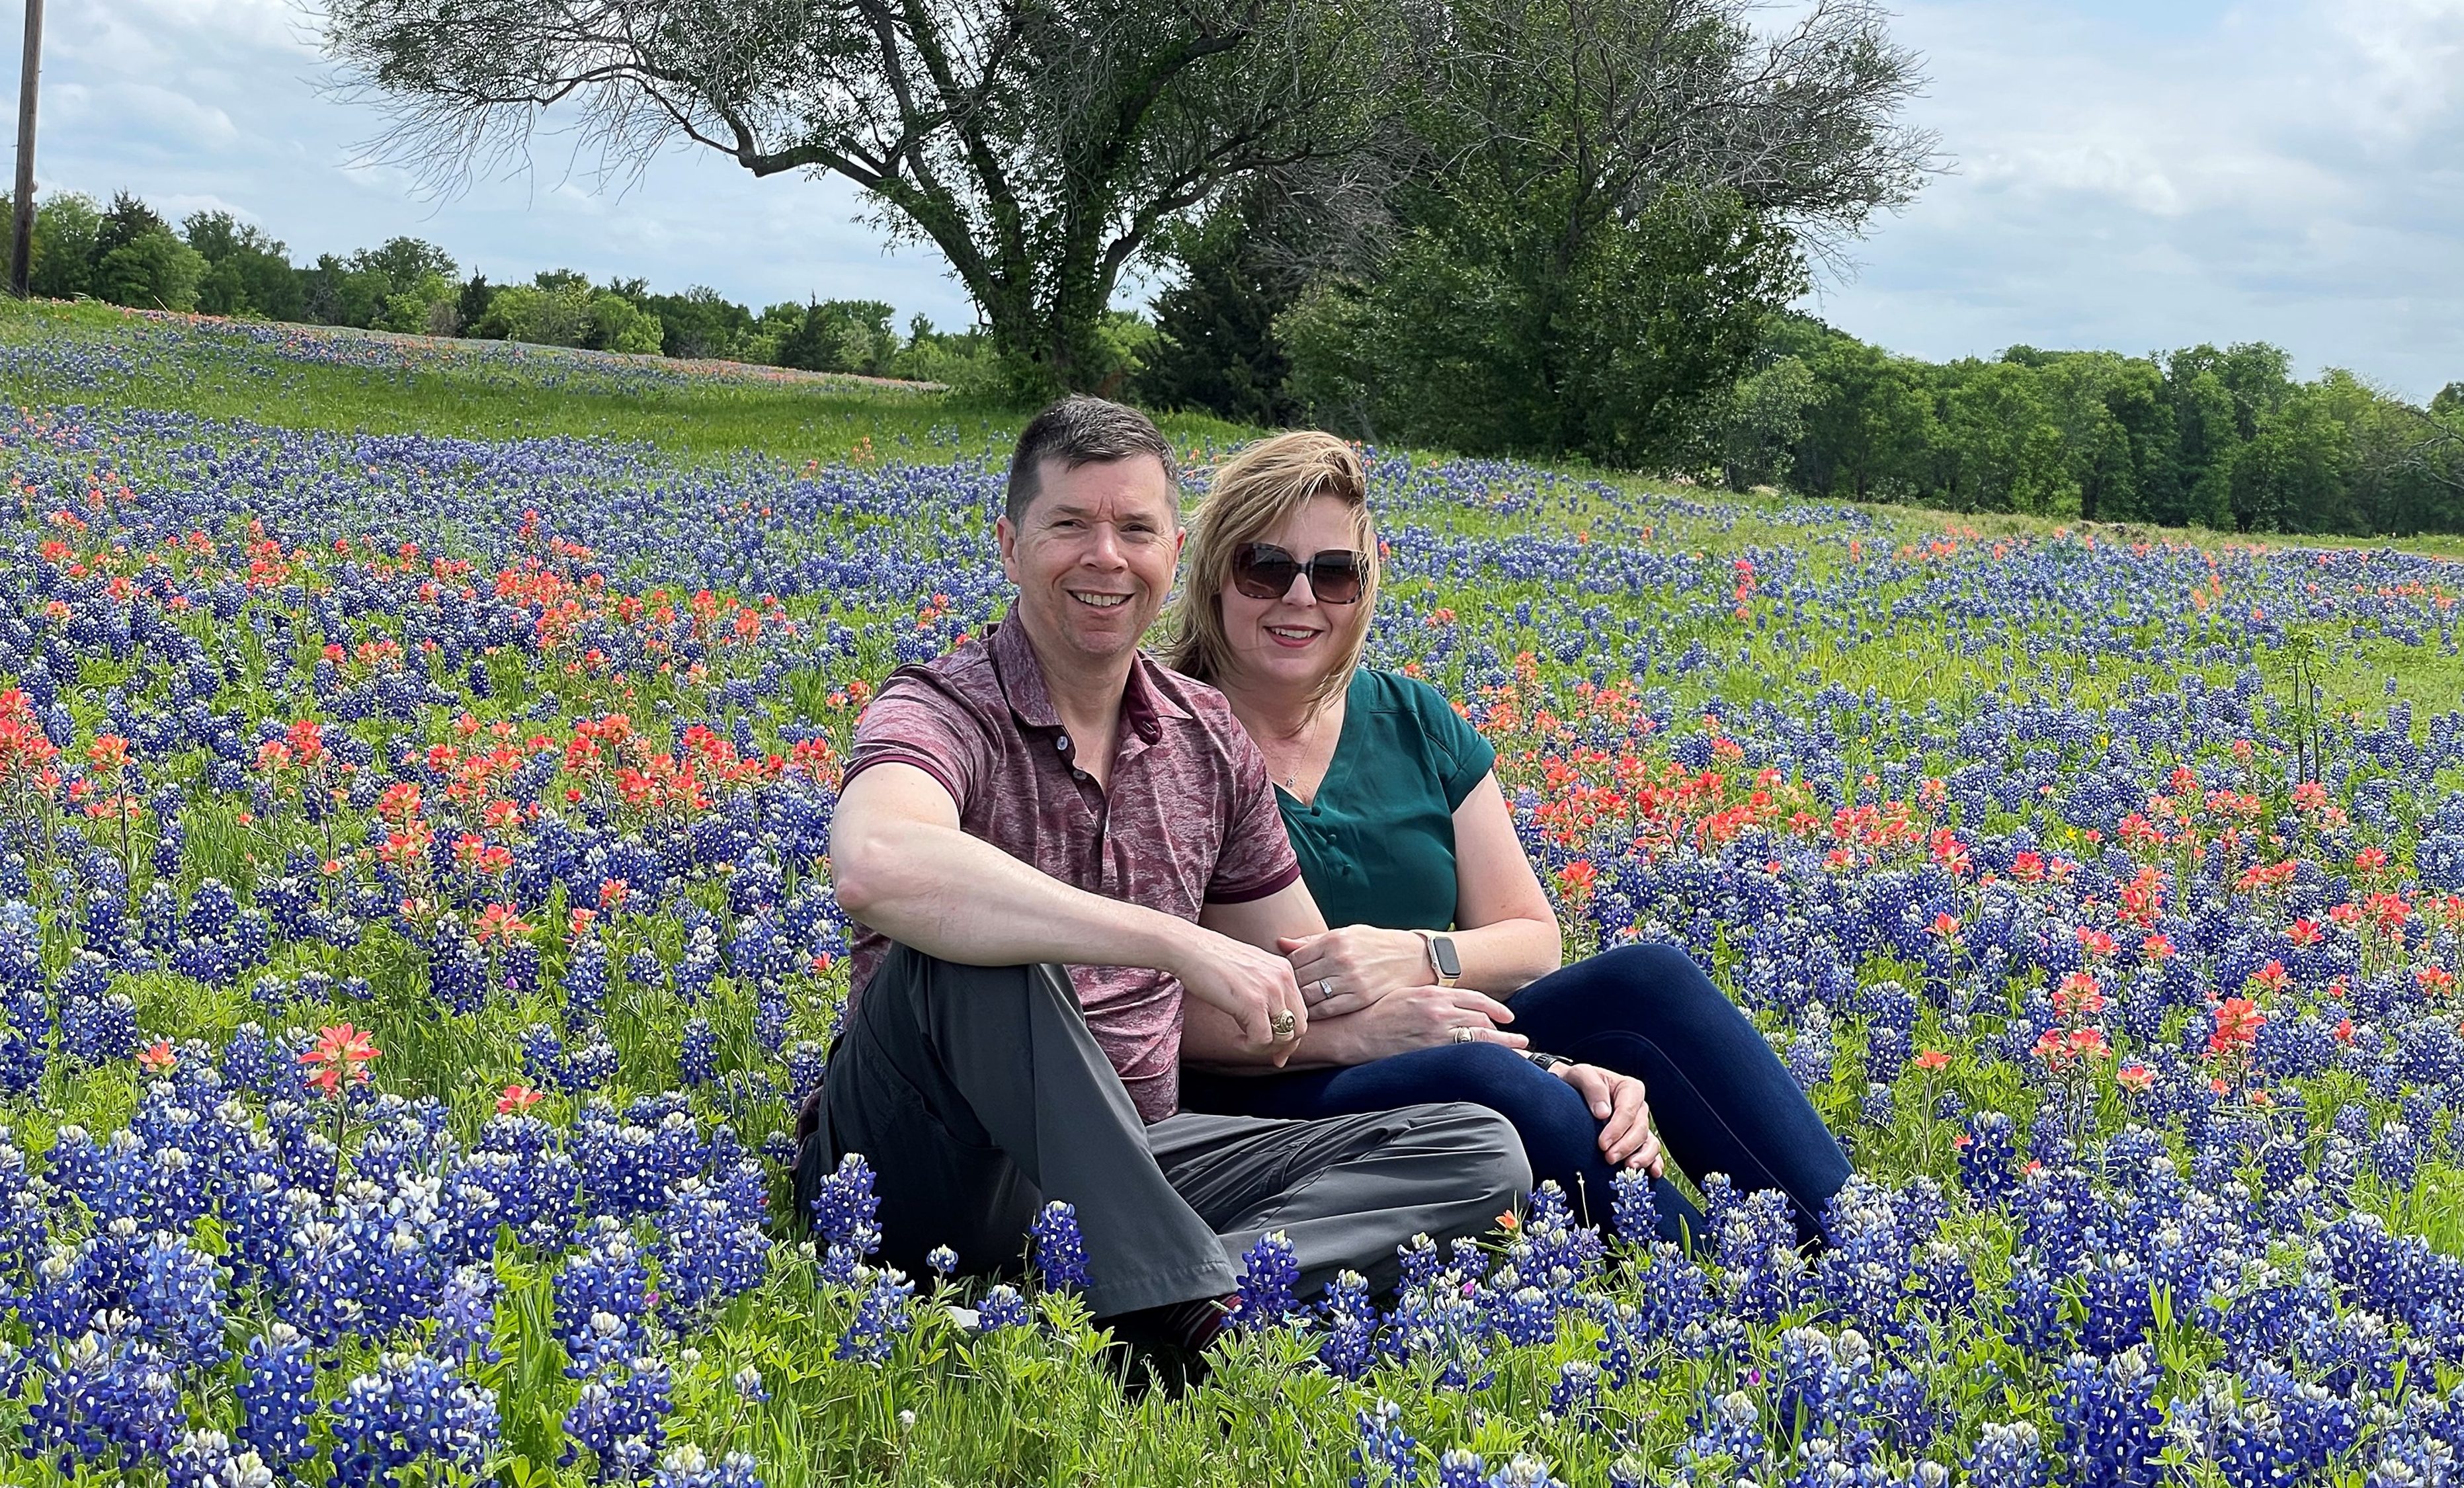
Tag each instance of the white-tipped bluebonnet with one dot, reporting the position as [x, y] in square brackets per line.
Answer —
[1349, 1345]
[1387, 1455]
[1002, 1306]
[410, 1408]
[708, 1253]
[1060, 1253]
[846, 1218]
[276, 1394]
[621, 1419]
[697, 1053]
[687, 1466]
[882, 1315]
[1269, 1269]
[942, 1260]
[178, 1303]
[104, 1401]
[2006, 1454]
[2110, 1423]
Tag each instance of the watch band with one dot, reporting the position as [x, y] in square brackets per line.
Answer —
[1546, 1060]
[1429, 948]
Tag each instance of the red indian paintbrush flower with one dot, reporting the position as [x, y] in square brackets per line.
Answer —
[340, 1056]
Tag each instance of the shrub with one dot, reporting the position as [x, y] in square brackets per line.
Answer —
[153, 270]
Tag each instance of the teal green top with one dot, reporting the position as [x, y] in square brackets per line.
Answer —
[1377, 845]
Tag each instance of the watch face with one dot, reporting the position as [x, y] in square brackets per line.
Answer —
[1443, 947]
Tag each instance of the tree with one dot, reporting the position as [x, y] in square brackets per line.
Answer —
[247, 272]
[1039, 146]
[152, 271]
[840, 336]
[1599, 204]
[1216, 348]
[66, 226]
[1764, 421]
[128, 220]
[700, 322]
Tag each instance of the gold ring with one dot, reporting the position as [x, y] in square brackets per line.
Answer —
[1461, 1034]
[1283, 1023]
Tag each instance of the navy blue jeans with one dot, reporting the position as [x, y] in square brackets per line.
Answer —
[1719, 1099]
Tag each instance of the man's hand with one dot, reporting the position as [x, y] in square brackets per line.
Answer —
[1616, 1102]
[1343, 971]
[1250, 986]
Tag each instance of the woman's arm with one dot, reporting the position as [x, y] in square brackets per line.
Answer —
[1506, 933]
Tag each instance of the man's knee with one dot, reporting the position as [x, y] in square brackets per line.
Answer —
[1492, 1166]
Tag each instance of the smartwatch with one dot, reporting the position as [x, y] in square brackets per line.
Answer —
[1442, 959]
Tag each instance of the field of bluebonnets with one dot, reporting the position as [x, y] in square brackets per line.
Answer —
[415, 931]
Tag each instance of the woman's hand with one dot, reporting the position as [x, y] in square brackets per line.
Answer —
[1417, 1018]
[1343, 971]
[1617, 1102]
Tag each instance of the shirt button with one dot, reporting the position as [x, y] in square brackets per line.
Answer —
[1062, 743]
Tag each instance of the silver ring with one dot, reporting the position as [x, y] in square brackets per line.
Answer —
[1461, 1033]
[1325, 988]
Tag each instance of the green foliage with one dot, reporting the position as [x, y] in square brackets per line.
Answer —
[66, 228]
[1217, 346]
[2201, 437]
[840, 336]
[151, 271]
[545, 316]
[1510, 319]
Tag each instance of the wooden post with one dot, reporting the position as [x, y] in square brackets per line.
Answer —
[21, 257]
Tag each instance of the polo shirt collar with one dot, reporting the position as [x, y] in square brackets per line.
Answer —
[1144, 705]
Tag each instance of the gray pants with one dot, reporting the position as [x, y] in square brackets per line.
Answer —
[977, 1093]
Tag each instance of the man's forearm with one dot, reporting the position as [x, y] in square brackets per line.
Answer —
[961, 899]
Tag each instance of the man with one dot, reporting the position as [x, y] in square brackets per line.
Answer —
[1050, 840]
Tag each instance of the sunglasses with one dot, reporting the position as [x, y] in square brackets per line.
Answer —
[1263, 571]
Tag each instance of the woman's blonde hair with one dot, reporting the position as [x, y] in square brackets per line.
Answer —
[1253, 493]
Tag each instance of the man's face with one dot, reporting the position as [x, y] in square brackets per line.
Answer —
[1093, 556]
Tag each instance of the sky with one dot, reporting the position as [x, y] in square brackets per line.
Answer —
[2134, 175]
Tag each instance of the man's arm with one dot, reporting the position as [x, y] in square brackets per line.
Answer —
[901, 864]
[1211, 1040]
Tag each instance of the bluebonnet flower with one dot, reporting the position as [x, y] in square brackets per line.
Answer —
[1577, 1391]
[697, 1059]
[881, 1316]
[1269, 1269]
[687, 1466]
[276, 1394]
[1350, 1341]
[2109, 1420]
[105, 1400]
[621, 1419]
[1633, 1211]
[1001, 1308]
[1387, 1455]
[708, 1252]
[1060, 1254]
[602, 1299]
[177, 1301]
[942, 1260]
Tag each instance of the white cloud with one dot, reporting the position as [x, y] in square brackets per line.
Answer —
[2153, 177]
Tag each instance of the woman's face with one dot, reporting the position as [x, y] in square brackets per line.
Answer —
[1293, 641]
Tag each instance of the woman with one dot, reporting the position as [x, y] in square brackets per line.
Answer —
[1441, 980]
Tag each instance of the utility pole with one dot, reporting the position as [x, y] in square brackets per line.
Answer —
[21, 257]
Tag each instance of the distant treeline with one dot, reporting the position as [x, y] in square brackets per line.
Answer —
[1676, 366]
[2198, 437]
[212, 262]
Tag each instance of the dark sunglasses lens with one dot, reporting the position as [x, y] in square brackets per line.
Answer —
[1335, 578]
[1262, 572]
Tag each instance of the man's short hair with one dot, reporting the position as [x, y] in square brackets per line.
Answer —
[1082, 431]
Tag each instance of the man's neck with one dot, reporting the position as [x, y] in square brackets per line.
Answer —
[1086, 696]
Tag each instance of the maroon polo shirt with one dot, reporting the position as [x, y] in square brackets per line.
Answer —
[1188, 818]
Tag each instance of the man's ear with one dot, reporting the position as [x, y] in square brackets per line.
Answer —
[1005, 538]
